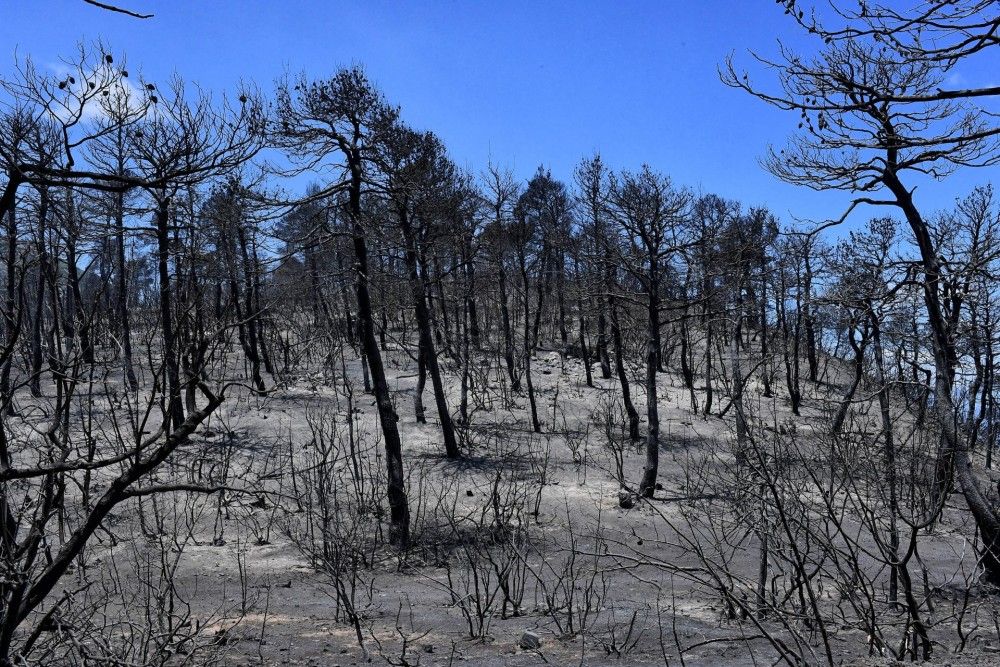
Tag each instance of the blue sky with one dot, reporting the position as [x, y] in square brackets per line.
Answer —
[525, 83]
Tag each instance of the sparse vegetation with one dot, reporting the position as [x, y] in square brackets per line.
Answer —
[667, 427]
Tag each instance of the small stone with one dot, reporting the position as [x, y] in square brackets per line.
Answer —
[530, 641]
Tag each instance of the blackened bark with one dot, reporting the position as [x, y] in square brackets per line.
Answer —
[172, 384]
[418, 290]
[809, 321]
[10, 301]
[858, 346]
[399, 510]
[687, 367]
[418, 392]
[529, 344]
[39, 314]
[472, 312]
[889, 450]
[953, 455]
[508, 332]
[582, 322]
[616, 339]
[121, 294]
[648, 485]
[602, 340]
[765, 352]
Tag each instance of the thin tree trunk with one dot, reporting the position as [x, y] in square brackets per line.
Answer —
[649, 472]
[859, 371]
[121, 294]
[36, 321]
[584, 352]
[808, 319]
[399, 510]
[172, 382]
[623, 381]
[10, 301]
[508, 332]
[470, 297]
[765, 352]
[418, 393]
[418, 289]
[602, 340]
[707, 408]
[536, 426]
[687, 370]
[889, 449]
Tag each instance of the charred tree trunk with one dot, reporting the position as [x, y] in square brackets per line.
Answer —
[649, 472]
[602, 340]
[172, 375]
[418, 393]
[807, 316]
[250, 316]
[39, 315]
[859, 371]
[582, 323]
[399, 510]
[889, 449]
[508, 332]
[561, 298]
[623, 381]
[418, 291]
[10, 305]
[953, 455]
[472, 311]
[709, 342]
[121, 293]
[790, 348]
[687, 367]
[529, 345]
[765, 352]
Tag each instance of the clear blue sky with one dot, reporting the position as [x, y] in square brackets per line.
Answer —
[527, 83]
